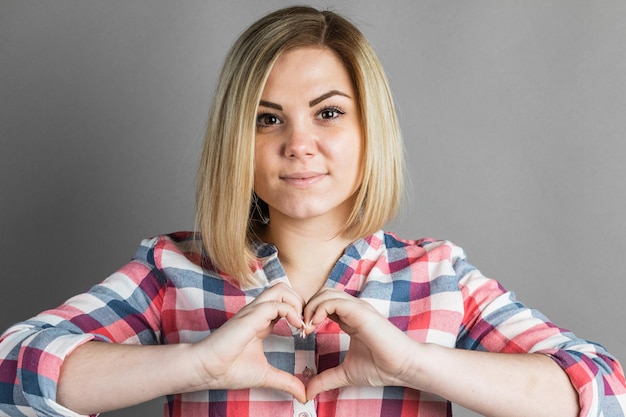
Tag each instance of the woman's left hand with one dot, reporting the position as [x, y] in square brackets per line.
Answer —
[380, 354]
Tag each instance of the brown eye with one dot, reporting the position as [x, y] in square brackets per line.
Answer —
[267, 119]
[330, 113]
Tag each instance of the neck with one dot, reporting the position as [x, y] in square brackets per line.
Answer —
[307, 250]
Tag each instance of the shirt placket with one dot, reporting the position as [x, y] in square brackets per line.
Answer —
[304, 369]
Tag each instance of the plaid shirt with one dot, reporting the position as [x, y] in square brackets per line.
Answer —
[166, 294]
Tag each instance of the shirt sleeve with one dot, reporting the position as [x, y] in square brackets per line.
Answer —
[124, 308]
[495, 321]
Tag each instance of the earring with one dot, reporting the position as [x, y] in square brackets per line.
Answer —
[257, 209]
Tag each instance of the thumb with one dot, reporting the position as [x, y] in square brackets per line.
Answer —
[284, 381]
[325, 381]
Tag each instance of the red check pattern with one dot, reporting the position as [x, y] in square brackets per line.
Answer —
[169, 294]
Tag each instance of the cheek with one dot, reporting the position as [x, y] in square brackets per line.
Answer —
[262, 166]
[358, 163]
[350, 152]
[260, 158]
[263, 152]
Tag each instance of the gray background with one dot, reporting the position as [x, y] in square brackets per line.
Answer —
[513, 114]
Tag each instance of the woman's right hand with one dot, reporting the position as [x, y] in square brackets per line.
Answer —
[232, 357]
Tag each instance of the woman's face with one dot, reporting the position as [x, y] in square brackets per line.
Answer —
[308, 146]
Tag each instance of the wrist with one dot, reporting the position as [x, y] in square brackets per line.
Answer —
[419, 372]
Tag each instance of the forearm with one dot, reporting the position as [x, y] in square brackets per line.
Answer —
[99, 377]
[494, 384]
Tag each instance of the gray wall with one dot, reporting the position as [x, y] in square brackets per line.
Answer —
[513, 115]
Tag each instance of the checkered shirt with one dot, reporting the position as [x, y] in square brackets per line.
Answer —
[168, 293]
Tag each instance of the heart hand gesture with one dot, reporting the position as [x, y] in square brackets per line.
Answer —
[379, 353]
[232, 357]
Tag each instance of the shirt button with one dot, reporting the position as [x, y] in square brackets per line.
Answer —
[304, 414]
[307, 373]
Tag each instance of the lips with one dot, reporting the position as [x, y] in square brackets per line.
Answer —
[303, 178]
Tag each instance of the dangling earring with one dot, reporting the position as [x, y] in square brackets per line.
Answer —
[257, 209]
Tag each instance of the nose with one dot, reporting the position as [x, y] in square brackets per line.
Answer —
[301, 141]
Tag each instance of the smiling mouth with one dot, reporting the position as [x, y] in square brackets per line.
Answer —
[304, 178]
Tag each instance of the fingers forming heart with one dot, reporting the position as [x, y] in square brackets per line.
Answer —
[368, 361]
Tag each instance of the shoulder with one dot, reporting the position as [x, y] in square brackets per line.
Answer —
[174, 238]
[408, 258]
[182, 249]
[425, 248]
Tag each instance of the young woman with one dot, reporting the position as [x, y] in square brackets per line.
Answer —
[290, 300]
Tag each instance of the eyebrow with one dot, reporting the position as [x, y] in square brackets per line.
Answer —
[311, 103]
[327, 95]
[270, 105]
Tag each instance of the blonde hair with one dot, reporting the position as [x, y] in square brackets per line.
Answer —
[227, 211]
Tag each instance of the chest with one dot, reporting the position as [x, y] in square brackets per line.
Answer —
[427, 311]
